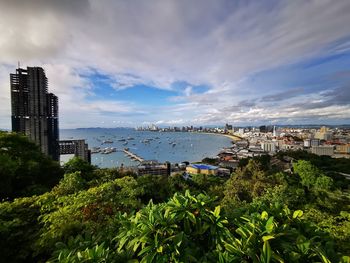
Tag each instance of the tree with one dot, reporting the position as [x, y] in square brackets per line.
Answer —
[71, 183]
[77, 164]
[311, 177]
[245, 184]
[24, 169]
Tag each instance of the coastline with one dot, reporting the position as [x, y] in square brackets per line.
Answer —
[232, 137]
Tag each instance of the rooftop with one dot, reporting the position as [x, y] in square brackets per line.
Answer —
[203, 166]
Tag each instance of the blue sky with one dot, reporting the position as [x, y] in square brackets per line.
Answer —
[132, 63]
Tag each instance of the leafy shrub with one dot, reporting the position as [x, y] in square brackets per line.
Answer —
[71, 183]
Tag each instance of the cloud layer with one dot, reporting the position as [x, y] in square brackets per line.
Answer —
[223, 45]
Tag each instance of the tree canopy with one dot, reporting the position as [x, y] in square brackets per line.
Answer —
[109, 215]
[24, 170]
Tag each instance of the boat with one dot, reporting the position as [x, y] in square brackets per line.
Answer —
[108, 150]
[131, 138]
[107, 141]
[95, 150]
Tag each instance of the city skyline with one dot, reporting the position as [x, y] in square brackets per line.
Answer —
[177, 63]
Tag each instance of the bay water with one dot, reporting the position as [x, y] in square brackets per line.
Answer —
[174, 147]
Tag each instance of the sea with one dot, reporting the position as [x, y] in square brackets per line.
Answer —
[174, 147]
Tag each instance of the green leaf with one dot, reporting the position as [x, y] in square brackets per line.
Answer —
[277, 258]
[298, 214]
[217, 211]
[266, 252]
[266, 238]
[230, 248]
[345, 259]
[191, 217]
[269, 225]
[241, 232]
[160, 249]
[178, 239]
[264, 215]
[145, 250]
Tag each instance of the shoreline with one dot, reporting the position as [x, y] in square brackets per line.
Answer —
[232, 137]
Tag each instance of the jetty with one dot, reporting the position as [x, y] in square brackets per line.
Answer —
[133, 156]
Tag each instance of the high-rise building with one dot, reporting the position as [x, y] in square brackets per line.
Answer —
[34, 110]
[324, 134]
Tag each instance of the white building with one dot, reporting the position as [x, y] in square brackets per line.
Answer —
[311, 142]
[268, 147]
[241, 131]
[323, 150]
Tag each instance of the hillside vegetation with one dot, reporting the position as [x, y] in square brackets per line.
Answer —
[258, 214]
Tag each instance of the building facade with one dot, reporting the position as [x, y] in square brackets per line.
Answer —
[77, 147]
[269, 147]
[34, 111]
[153, 168]
[323, 150]
[202, 169]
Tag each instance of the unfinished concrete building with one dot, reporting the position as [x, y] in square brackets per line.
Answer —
[34, 110]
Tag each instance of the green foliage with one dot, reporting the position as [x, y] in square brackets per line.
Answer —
[263, 162]
[330, 166]
[311, 177]
[70, 184]
[24, 170]
[176, 183]
[108, 215]
[78, 165]
[96, 254]
[323, 183]
[182, 230]
[338, 226]
[211, 161]
[155, 188]
[245, 184]
[19, 228]
[87, 210]
[259, 237]
[188, 229]
[100, 176]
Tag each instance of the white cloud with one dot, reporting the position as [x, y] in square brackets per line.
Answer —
[218, 43]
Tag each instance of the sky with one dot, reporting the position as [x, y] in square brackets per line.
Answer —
[115, 63]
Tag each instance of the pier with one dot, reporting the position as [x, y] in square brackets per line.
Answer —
[133, 156]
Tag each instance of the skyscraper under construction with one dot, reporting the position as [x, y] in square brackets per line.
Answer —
[34, 110]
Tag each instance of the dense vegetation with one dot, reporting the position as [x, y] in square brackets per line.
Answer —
[24, 170]
[258, 214]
